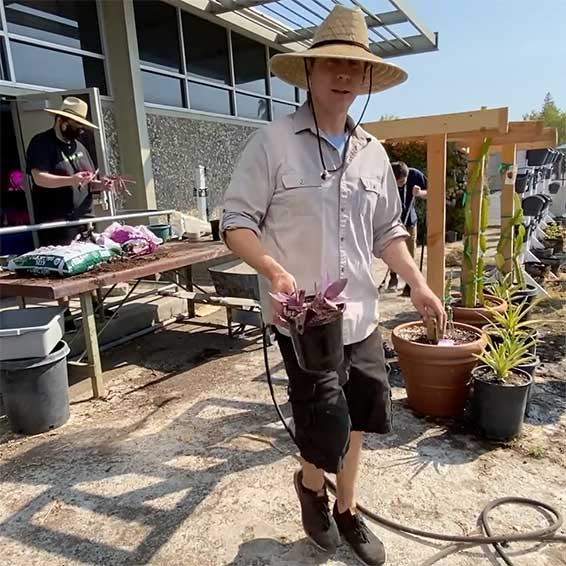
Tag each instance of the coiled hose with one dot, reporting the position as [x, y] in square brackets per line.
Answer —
[546, 534]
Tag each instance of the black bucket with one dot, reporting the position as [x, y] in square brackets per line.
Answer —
[530, 369]
[499, 409]
[35, 391]
[319, 348]
[215, 228]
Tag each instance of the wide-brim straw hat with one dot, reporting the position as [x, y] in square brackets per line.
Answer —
[75, 109]
[342, 35]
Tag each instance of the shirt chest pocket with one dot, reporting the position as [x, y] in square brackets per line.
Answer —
[369, 195]
[301, 194]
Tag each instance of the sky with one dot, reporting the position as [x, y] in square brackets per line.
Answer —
[491, 53]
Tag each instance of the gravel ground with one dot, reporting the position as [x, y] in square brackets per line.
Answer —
[184, 463]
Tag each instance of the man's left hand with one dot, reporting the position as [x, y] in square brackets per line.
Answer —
[417, 191]
[429, 305]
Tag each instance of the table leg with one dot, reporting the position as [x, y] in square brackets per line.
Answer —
[190, 303]
[91, 343]
[21, 302]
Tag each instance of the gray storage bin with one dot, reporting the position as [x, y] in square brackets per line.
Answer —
[30, 333]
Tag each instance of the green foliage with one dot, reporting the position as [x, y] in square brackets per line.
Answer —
[551, 115]
[503, 357]
[514, 229]
[473, 280]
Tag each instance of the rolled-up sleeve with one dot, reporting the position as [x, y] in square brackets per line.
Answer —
[251, 188]
[387, 223]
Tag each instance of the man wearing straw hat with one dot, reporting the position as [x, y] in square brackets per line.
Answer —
[312, 195]
[62, 170]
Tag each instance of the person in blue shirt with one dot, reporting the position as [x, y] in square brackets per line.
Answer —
[412, 185]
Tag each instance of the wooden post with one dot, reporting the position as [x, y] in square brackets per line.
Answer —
[91, 342]
[436, 212]
[508, 157]
[476, 202]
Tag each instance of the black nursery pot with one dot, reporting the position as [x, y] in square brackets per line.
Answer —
[319, 348]
[525, 295]
[499, 409]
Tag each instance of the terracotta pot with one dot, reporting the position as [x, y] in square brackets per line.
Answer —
[476, 316]
[437, 378]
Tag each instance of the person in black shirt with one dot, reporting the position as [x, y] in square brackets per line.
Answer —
[412, 184]
[62, 172]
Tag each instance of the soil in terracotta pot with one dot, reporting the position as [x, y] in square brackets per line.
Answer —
[418, 334]
[487, 375]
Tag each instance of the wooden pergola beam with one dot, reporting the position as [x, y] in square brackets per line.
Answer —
[436, 213]
[548, 138]
[495, 119]
[517, 132]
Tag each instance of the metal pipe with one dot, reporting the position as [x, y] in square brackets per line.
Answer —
[138, 334]
[67, 223]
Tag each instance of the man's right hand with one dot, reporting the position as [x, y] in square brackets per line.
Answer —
[282, 282]
[81, 178]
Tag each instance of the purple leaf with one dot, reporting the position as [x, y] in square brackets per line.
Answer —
[334, 289]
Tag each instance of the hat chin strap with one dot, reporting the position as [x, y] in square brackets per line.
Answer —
[325, 170]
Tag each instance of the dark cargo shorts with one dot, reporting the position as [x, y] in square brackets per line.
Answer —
[327, 406]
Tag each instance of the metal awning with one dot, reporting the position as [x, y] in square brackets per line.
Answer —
[394, 29]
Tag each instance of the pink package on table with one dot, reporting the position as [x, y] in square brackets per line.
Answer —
[137, 240]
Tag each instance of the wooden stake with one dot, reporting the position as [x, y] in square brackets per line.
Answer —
[508, 156]
[436, 212]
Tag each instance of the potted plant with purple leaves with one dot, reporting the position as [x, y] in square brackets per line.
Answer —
[315, 324]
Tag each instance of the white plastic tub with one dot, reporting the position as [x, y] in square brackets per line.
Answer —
[30, 333]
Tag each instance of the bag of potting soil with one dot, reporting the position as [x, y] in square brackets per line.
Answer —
[73, 259]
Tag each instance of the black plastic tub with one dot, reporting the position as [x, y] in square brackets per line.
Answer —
[499, 408]
[319, 348]
[35, 391]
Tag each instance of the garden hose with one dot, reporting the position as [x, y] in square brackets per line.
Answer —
[547, 534]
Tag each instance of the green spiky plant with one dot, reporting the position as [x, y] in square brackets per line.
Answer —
[503, 357]
[473, 281]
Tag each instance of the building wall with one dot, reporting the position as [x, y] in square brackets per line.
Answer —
[111, 134]
[179, 145]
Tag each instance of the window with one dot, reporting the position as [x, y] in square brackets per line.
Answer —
[53, 43]
[158, 35]
[280, 109]
[206, 50]
[250, 68]
[210, 99]
[161, 89]
[222, 71]
[252, 107]
[279, 88]
[72, 24]
[4, 74]
[51, 68]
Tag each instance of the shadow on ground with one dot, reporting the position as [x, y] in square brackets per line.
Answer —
[80, 459]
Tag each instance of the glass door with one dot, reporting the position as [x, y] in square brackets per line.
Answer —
[30, 118]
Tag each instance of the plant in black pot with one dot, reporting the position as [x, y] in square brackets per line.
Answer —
[315, 324]
[500, 388]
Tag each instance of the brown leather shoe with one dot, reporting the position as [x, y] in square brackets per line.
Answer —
[317, 520]
[368, 548]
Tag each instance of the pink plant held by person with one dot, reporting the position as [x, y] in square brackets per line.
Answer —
[315, 310]
[117, 184]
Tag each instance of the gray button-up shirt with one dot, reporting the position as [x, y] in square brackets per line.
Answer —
[317, 228]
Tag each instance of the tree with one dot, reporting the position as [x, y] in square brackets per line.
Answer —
[551, 115]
